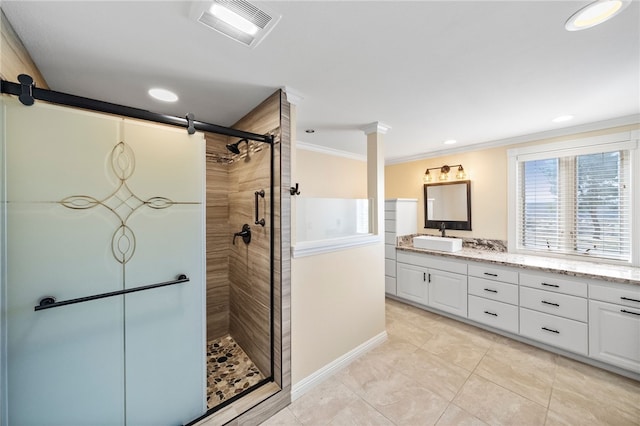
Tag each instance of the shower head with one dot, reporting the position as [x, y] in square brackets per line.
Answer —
[233, 147]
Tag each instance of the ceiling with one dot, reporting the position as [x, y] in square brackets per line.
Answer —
[474, 71]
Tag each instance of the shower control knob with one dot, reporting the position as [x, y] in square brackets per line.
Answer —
[245, 234]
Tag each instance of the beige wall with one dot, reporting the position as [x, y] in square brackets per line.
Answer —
[323, 175]
[487, 170]
[337, 299]
[337, 305]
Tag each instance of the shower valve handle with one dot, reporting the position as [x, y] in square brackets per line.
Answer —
[245, 234]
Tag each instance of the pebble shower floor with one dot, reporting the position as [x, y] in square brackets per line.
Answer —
[229, 370]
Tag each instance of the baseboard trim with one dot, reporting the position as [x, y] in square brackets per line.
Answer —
[314, 379]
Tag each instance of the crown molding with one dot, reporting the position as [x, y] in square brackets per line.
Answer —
[376, 127]
[565, 131]
[330, 151]
[293, 96]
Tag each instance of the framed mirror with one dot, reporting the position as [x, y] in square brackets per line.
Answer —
[448, 203]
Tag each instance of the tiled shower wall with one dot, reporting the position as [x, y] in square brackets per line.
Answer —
[249, 266]
[238, 275]
[218, 240]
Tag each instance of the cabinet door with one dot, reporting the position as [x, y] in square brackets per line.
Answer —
[448, 292]
[412, 283]
[614, 334]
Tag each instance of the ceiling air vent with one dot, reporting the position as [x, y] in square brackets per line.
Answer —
[237, 19]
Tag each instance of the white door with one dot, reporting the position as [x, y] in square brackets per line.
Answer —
[97, 204]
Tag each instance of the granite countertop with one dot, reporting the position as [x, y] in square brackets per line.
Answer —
[573, 268]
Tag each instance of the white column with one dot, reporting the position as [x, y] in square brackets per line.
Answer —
[375, 173]
[294, 98]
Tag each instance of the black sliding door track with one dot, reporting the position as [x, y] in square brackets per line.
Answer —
[27, 92]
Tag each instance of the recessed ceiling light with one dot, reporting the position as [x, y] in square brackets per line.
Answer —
[310, 131]
[450, 142]
[595, 13]
[163, 95]
[562, 118]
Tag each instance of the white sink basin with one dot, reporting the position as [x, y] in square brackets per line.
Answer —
[428, 242]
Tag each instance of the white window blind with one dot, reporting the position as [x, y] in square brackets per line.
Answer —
[577, 204]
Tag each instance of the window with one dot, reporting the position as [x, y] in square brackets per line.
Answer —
[573, 200]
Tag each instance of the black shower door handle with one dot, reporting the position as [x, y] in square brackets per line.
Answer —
[257, 194]
[49, 302]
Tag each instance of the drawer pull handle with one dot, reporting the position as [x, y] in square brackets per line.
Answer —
[551, 285]
[630, 299]
[490, 274]
[490, 313]
[549, 303]
[490, 290]
[551, 330]
[629, 312]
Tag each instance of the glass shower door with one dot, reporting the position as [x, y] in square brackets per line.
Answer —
[97, 204]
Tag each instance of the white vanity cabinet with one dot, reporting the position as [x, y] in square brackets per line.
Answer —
[400, 218]
[614, 325]
[595, 320]
[553, 310]
[493, 296]
[432, 281]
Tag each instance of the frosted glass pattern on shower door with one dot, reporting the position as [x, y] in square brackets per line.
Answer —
[98, 204]
[164, 327]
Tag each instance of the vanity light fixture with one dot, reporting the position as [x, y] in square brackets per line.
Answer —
[163, 95]
[444, 173]
[595, 13]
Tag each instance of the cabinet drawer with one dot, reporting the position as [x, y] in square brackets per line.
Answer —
[493, 273]
[390, 268]
[627, 295]
[390, 238]
[560, 332]
[390, 215]
[390, 252]
[496, 314]
[554, 303]
[435, 262]
[614, 334]
[390, 226]
[502, 292]
[551, 283]
[390, 285]
[390, 204]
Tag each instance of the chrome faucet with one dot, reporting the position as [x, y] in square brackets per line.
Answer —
[442, 229]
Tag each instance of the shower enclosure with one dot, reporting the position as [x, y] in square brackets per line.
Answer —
[111, 300]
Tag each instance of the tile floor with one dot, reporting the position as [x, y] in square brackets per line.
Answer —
[436, 371]
[229, 370]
